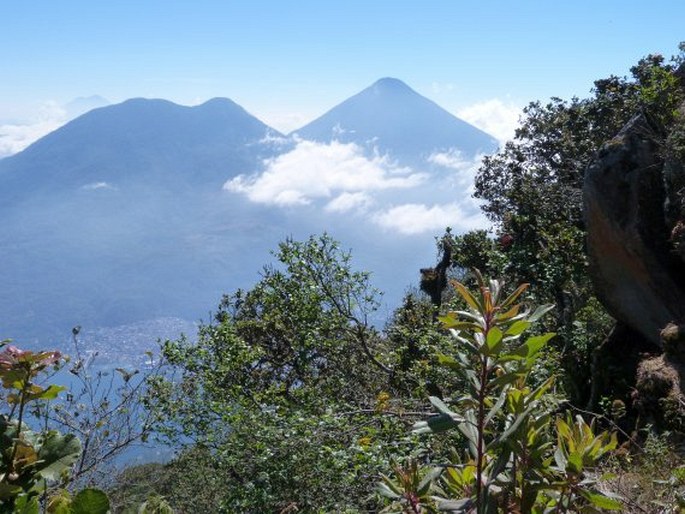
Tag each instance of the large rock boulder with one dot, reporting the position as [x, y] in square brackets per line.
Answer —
[633, 231]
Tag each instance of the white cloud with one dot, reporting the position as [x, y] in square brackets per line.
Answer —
[271, 138]
[464, 170]
[14, 137]
[98, 185]
[346, 202]
[452, 158]
[39, 121]
[418, 218]
[495, 117]
[317, 170]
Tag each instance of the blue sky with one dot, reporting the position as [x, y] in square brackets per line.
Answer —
[288, 62]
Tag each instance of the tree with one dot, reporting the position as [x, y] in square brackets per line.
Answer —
[290, 391]
[532, 191]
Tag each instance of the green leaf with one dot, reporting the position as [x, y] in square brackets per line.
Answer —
[25, 505]
[493, 341]
[8, 490]
[467, 296]
[533, 345]
[425, 484]
[513, 296]
[575, 463]
[441, 406]
[450, 321]
[511, 313]
[388, 488]
[50, 393]
[542, 389]
[57, 454]
[449, 362]
[560, 458]
[503, 380]
[463, 505]
[518, 327]
[496, 408]
[539, 313]
[435, 424]
[603, 502]
[524, 416]
[60, 502]
[90, 501]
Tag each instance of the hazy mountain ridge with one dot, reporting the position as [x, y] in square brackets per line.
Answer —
[142, 140]
[119, 216]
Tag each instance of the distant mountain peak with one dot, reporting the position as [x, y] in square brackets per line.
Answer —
[390, 84]
[218, 101]
[141, 140]
[390, 117]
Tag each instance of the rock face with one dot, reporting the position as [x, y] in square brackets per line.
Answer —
[634, 264]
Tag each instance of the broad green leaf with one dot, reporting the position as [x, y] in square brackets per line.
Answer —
[560, 458]
[574, 463]
[435, 424]
[540, 312]
[542, 389]
[48, 394]
[603, 502]
[384, 490]
[427, 481]
[441, 406]
[391, 485]
[25, 505]
[496, 408]
[504, 436]
[503, 380]
[468, 428]
[60, 502]
[57, 454]
[8, 490]
[449, 362]
[456, 324]
[513, 296]
[467, 296]
[511, 313]
[517, 328]
[90, 501]
[493, 340]
[533, 345]
[464, 505]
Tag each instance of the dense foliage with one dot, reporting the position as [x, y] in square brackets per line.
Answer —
[34, 464]
[290, 393]
[532, 192]
[504, 416]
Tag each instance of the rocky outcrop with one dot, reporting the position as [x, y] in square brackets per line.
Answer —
[658, 394]
[632, 214]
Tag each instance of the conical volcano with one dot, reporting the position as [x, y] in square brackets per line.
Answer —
[393, 119]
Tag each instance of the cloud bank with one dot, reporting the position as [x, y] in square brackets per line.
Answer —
[317, 170]
[16, 136]
[415, 218]
[341, 179]
[496, 117]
